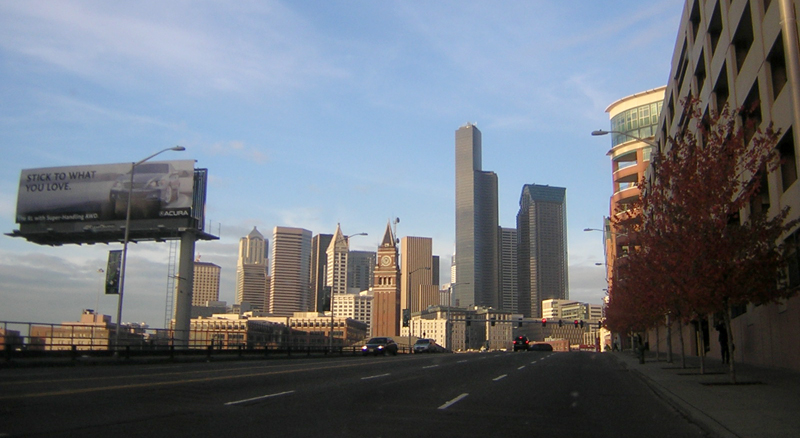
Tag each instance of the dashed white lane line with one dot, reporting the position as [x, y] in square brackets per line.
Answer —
[500, 377]
[375, 376]
[429, 366]
[521, 367]
[453, 401]
[258, 398]
[462, 361]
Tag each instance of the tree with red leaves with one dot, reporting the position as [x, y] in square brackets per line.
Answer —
[705, 242]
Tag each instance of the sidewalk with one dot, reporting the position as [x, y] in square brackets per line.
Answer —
[764, 403]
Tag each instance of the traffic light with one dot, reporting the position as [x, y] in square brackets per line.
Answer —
[581, 323]
[406, 317]
[519, 324]
[576, 323]
[599, 324]
[492, 321]
[544, 322]
[560, 323]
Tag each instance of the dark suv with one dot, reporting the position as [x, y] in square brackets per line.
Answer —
[521, 343]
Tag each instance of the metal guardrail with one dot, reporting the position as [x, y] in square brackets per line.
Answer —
[21, 341]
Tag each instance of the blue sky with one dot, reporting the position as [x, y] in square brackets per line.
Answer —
[309, 114]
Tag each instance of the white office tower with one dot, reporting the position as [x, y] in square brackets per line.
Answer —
[291, 259]
[251, 271]
[338, 250]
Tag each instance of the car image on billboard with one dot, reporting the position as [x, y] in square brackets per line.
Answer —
[155, 187]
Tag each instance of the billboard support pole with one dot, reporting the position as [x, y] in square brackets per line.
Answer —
[125, 241]
[183, 299]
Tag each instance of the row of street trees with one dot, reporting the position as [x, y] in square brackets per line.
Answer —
[705, 241]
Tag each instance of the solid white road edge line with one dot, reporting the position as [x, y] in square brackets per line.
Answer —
[258, 398]
[375, 377]
[453, 401]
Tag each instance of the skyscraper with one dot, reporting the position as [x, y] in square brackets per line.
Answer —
[338, 250]
[360, 266]
[291, 256]
[508, 270]
[319, 300]
[251, 270]
[542, 250]
[206, 283]
[416, 269]
[477, 252]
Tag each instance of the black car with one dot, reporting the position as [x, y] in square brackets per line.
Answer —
[378, 346]
[521, 343]
[541, 347]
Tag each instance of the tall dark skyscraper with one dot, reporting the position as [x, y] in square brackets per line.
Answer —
[542, 250]
[477, 243]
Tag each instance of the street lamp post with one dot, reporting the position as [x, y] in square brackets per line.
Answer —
[125, 242]
[408, 302]
[602, 132]
[333, 284]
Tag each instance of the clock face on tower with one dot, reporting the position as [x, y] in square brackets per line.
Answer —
[386, 261]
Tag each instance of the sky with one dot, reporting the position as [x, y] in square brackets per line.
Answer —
[312, 114]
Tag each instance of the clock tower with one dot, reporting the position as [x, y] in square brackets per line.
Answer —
[386, 290]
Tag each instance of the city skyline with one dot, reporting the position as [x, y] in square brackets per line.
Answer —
[324, 114]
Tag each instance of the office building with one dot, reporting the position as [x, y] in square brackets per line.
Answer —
[319, 300]
[251, 270]
[634, 121]
[360, 267]
[747, 54]
[336, 271]
[416, 270]
[508, 270]
[477, 241]
[542, 250]
[355, 306]
[206, 283]
[291, 258]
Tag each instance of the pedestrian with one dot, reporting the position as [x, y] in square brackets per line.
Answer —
[723, 343]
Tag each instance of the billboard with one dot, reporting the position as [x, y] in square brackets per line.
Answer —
[100, 192]
[113, 271]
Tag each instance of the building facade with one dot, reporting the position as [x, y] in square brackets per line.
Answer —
[319, 300]
[509, 300]
[542, 247]
[386, 288]
[206, 283]
[416, 270]
[477, 252]
[251, 271]
[634, 121]
[291, 258]
[360, 267]
[745, 53]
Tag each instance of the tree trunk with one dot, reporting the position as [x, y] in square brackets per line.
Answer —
[731, 348]
[701, 343]
[669, 340]
[683, 346]
[658, 345]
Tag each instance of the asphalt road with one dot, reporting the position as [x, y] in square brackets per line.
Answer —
[507, 394]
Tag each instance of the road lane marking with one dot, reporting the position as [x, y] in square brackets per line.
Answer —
[429, 366]
[534, 362]
[174, 382]
[258, 398]
[500, 377]
[521, 367]
[462, 361]
[375, 376]
[453, 401]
